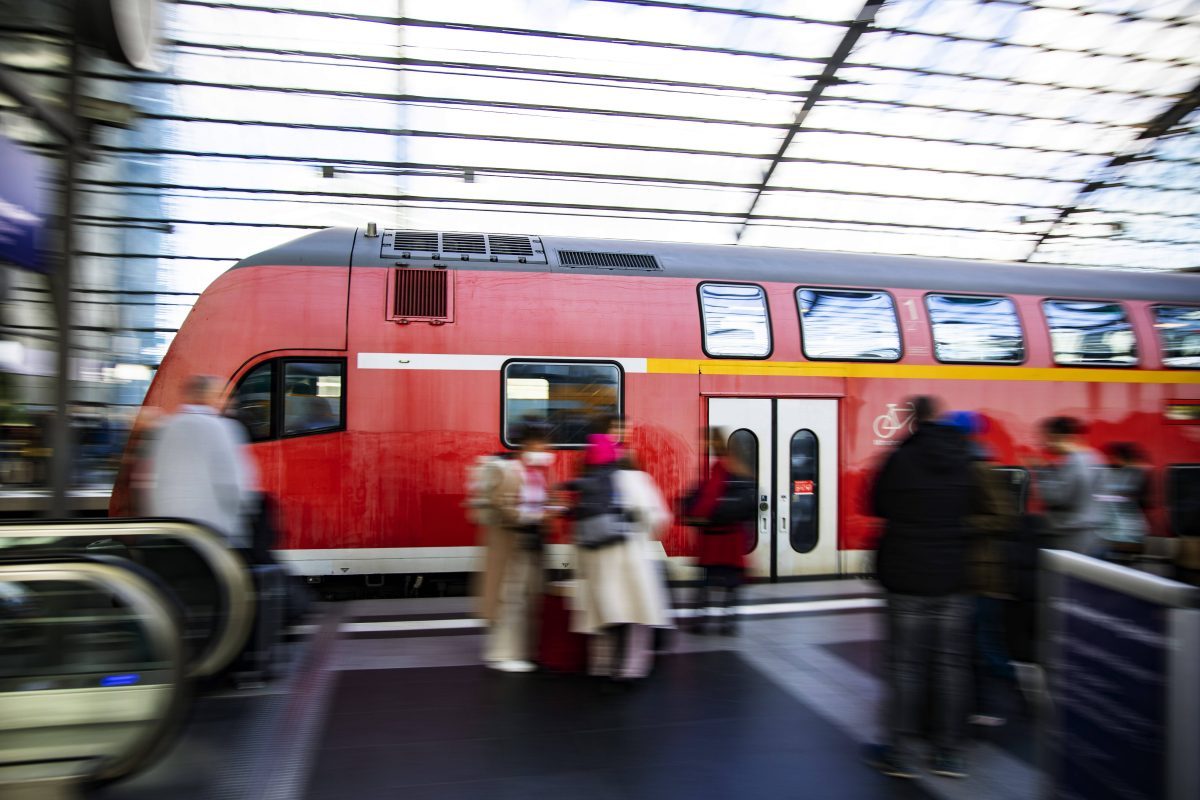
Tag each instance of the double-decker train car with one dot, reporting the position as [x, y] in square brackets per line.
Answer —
[372, 367]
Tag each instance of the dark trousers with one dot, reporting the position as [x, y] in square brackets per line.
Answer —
[717, 577]
[928, 653]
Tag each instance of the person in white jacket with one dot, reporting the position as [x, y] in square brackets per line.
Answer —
[620, 592]
[200, 467]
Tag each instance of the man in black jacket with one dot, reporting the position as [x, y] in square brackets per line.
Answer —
[924, 494]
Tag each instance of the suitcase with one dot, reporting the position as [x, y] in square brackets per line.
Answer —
[258, 660]
[558, 648]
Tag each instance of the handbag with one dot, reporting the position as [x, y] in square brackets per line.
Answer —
[612, 526]
[602, 530]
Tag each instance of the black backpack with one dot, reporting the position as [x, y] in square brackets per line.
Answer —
[738, 503]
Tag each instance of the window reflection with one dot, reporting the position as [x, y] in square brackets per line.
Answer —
[975, 329]
[735, 320]
[1179, 329]
[1083, 332]
[848, 324]
[743, 446]
[804, 505]
[312, 397]
[567, 397]
[251, 402]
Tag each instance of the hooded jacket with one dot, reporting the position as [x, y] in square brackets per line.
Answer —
[924, 494]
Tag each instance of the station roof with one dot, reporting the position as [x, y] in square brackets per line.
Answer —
[1046, 131]
[1051, 131]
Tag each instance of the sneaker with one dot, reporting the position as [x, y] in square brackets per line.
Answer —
[948, 765]
[512, 666]
[986, 720]
[889, 762]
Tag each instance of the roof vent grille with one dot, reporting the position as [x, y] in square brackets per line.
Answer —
[585, 258]
[414, 240]
[474, 247]
[421, 294]
[510, 245]
[463, 243]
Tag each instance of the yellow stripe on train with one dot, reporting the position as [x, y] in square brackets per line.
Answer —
[937, 372]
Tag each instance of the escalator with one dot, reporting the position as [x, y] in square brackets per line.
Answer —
[209, 580]
[92, 673]
[105, 628]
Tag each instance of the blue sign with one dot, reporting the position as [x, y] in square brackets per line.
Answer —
[21, 222]
[1109, 681]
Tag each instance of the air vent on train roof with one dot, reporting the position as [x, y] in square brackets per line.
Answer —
[593, 260]
[427, 245]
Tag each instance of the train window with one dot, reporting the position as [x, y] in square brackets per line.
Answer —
[250, 403]
[1183, 499]
[1179, 329]
[567, 397]
[975, 329]
[736, 320]
[312, 397]
[848, 325]
[805, 504]
[743, 445]
[1087, 332]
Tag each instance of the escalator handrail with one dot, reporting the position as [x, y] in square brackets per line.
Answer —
[154, 612]
[230, 569]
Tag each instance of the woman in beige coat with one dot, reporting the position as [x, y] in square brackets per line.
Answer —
[512, 570]
[620, 594]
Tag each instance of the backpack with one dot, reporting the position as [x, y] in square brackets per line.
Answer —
[738, 503]
[483, 476]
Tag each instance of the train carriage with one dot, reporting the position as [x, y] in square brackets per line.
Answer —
[373, 366]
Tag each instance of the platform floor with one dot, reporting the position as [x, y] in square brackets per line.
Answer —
[390, 700]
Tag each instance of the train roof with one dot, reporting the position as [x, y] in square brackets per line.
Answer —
[341, 247]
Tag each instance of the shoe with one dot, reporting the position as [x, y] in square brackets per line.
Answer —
[512, 666]
[889, 762]
[986, 720]
[948, 765]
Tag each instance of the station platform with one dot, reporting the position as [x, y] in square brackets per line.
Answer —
[387, 698]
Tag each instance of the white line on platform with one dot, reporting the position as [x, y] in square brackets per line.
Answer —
[852, 604]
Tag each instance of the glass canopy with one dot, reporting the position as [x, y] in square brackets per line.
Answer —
[1056, 132]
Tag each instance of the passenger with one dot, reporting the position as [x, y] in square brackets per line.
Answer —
[306, 410]
[517, 495]
[1068, 488]
[722, 533]
[993, 524]
[923, 493]
[620, 595]
[200, 466]
[1124, 499]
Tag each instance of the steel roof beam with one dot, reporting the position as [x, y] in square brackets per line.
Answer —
[828, 77]
[403, 62]
[413, 22]
[1154, 130]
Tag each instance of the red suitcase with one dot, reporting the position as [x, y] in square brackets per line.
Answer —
[558, 649]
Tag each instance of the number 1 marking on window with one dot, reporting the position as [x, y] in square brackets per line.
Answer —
[913, 314]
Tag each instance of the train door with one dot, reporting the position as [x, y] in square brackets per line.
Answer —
[792, 446]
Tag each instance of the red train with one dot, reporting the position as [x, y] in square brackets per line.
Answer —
[372, 367]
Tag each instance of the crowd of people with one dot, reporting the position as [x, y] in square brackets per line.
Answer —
[957, 559]
[957, 556]
[616, 513]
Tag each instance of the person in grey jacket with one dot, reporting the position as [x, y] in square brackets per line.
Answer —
[200, 469]
[1068, 487]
